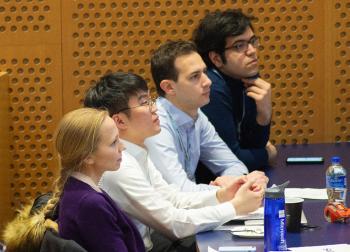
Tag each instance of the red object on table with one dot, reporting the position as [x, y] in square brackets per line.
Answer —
[336, 212]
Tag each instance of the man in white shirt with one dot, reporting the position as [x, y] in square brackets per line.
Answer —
[187, 136]
[138, 187]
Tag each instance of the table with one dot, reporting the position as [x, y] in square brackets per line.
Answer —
[311, 175]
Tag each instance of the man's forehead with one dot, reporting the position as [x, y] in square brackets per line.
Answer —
[139, 95]
[244, 36]
[189, 63]
[142, 94]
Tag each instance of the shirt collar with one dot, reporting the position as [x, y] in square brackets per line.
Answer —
[135, 150]
[177, 115]
[237, 83]
[86, 179]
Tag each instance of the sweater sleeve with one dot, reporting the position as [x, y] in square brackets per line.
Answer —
[252, 134]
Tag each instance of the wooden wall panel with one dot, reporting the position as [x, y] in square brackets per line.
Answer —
[30, 22]
[5, 157]
[105, 36]
[290, 59]
[337, 71]
[35, 107]
[30, 40]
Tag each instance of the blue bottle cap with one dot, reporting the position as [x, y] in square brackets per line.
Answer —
[336, 160]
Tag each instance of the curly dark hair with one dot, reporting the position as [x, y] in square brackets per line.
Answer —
[215, 28]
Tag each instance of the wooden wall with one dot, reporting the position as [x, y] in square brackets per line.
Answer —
[54, 50]
[5, 157]
[30, 42]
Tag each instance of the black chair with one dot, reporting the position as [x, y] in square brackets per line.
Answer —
[53, 243]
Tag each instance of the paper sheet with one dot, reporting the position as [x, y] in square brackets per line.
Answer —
[306, 193]
[324, 248]
[233, 248]
[259, 215]
[210, 249]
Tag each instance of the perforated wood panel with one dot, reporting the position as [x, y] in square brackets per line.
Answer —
[53, 61]
[338, 81]
[30, 22]
[291, 58]
[31, 54]
[4, 150]
[104, 36]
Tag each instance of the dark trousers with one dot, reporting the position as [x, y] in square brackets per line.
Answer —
[164, 244]
[203, 174]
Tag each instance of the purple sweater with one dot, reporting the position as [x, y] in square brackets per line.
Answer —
[94, 221]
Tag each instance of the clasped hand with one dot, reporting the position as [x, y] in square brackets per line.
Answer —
[228, 181]
[245, 192]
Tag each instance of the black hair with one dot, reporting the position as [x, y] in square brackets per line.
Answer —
[113, 91]
[215, 28]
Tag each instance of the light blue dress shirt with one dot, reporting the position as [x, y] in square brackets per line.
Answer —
[182, 142]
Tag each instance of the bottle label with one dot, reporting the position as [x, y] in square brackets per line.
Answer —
[283, 242]
[336, 182]
[281, 214]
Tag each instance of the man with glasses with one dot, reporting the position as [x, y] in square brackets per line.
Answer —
[240, 101]
[166, 218]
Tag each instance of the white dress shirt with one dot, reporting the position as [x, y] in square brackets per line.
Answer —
[139, 189]
[182, 142]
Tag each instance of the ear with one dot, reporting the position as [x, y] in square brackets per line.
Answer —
[89, 160]
[215, 59]
[168, 87]
[120, 120]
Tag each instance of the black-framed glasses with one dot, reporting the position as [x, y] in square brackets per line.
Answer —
[149, 102]
[242, 45]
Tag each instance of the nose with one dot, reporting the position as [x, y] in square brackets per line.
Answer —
[251, 49]
[121, 147]
[153, 108]
[206, 81]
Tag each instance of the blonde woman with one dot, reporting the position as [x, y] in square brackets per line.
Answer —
[88, 144]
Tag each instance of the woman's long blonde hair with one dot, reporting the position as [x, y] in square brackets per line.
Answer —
[76, 138]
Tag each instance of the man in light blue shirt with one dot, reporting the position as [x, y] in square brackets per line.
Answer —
[187, 136]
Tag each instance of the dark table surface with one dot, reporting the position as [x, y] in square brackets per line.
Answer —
[301, 176]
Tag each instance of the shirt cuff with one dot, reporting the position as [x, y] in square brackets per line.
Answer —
[209, 198]
[228, 211]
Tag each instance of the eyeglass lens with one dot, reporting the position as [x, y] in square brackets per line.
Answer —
[242, 46]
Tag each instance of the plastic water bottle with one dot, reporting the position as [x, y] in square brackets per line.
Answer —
[336, 181]
[275, 219]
